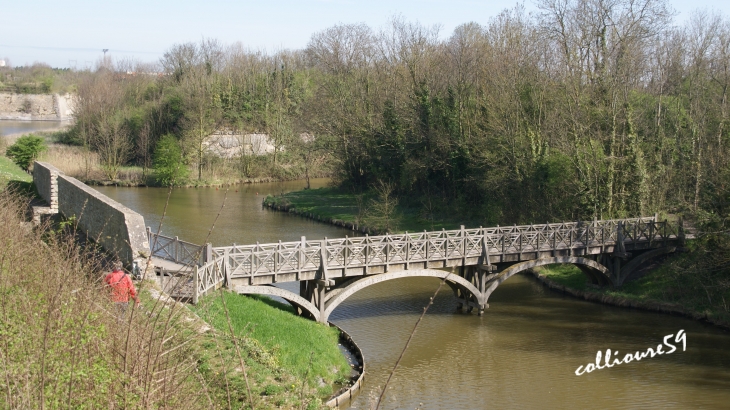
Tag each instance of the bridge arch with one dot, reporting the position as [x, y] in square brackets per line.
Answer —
[594, 270]
[291, 297]
[366, 281]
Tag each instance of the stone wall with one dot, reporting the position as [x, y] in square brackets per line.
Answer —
[36, 107]
[45, 177]
[118, 229]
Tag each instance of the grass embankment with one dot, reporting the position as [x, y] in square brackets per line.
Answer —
[332, 205]
[667, 288]
[298, 345]
[11, 172]
[61, 344]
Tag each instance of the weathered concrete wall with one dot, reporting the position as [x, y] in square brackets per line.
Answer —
[118, 229]
[45, 177]
[36, 106]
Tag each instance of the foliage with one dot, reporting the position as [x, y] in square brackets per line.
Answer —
[170, 168]
[63, 345]
[38, 78]
[26, 150]
[577, 111]
[382, 213]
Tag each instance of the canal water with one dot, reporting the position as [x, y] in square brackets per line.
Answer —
[524, 351]
[11, 127]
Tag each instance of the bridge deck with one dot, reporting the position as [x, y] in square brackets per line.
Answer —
[261, 264]
[334, 258]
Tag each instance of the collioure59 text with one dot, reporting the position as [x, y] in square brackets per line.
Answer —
[681, 336]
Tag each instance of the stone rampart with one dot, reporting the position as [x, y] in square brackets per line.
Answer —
[118, 229]
[45, 177]
[54, 107]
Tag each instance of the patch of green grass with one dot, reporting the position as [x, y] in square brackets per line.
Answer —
[9, 171]
[325, 202]
[665, 285]
[300, 346]
[566, 275]
[337, 204]
[12, 177]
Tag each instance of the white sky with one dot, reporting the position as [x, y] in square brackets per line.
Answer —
[72, 33]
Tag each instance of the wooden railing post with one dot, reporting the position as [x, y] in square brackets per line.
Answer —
[227, 269]
[570, 239]
[428, 240]
[652, 229]
[463, 242]
[367, 253]
[196, 285]
[208, 252]
[301, 255]
[502, 238]
[345, 252]
[175, 250]
[277, 255]
[387, 245]
[323, 257]
[408, 250]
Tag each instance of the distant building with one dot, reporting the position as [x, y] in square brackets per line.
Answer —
[2, 63]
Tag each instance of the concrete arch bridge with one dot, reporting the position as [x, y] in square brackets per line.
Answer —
[473, 262]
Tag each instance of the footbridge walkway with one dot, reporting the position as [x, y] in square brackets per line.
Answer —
[473, 262]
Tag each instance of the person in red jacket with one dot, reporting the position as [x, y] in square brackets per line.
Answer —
[121, 288]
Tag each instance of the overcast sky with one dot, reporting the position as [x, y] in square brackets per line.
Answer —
[72, 33]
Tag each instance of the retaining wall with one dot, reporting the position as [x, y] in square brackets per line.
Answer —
[118, 229]
[45, 177]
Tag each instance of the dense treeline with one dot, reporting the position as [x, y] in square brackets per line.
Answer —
[586, 108]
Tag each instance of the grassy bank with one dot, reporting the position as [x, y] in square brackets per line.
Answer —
[11, 172]
[343, 208]
[62, 346]
[299, 346]
[666, 288]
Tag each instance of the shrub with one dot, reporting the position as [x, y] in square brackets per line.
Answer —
[170, 169]
[26, 150]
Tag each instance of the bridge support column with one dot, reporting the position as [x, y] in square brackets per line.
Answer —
[322, 286]
[479, 276]
[315, 291]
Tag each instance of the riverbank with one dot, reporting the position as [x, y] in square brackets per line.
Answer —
[300, 352]
[353, 211]
[301, 372]
[653, 291]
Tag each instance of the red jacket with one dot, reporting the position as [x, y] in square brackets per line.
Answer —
[122, 286]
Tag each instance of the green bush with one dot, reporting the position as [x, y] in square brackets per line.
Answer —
[170, 168]
[26, 150]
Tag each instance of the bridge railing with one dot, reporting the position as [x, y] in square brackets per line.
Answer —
[307, 255]
[209, 277]
[175, 250]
